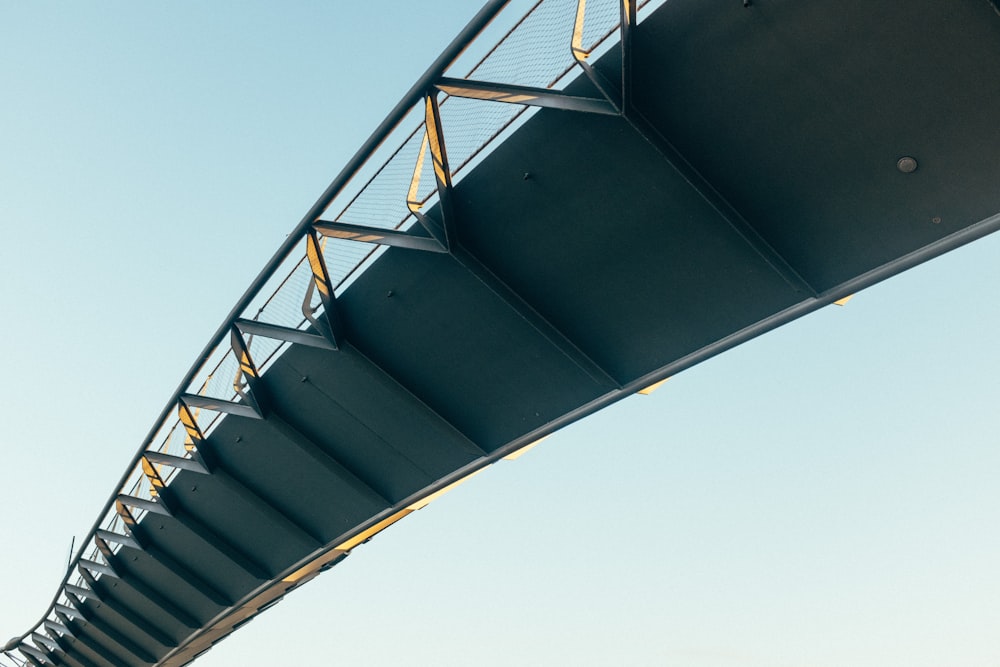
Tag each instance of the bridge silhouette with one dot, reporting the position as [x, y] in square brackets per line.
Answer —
[607, 196]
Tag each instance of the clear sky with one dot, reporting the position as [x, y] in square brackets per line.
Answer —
[825, 495]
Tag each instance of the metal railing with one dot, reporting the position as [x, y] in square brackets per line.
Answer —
[543, 49]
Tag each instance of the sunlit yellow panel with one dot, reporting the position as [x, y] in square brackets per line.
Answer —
[841, 302]
[518, 453]
[424, 502]
[339, 233]
[312, 567]
[576, 44]
[653, 387]
[374, 530]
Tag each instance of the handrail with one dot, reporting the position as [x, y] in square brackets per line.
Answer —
[424, 85]
[457, 46]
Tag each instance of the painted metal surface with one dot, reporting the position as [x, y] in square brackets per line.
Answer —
[711, 172]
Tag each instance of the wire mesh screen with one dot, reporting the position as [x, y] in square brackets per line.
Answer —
[535, 51]
[382, 201]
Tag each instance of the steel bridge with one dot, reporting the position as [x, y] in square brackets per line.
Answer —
[570, 206]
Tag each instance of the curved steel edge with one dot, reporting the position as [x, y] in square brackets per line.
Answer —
[317, 559]
[437, 69]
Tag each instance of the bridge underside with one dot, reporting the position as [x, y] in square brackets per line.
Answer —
[755, 180]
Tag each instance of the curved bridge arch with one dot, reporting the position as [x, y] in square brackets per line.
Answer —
[488, 320]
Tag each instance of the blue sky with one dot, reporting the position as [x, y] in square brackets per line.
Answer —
[824, 495]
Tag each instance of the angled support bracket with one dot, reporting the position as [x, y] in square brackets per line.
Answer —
[145, 591]
[193, 435]
[219, 405]
[648, 131]
[141, 503]
[42, 640]
[329, 324]
[442, 169]
[245, 383]
[69, 612]
[366, 234]
[580, 55]
[67, 648]
[179, 462]
[55, 626]
[153, 476]
[111, 536]
[288, 334]
[82, 593]
[100, 568]
[181, 571]
[35, 656]
[140, 623]
[252, 498]
[524, 95]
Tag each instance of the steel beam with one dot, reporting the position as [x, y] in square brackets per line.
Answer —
[144, 543]
[220, 405]
[31, 659]
[250, 496]
[152, 506]
[101, 650]
[69, 612]
[212, 539]
[515, 302]
[139, 622]
[580, 55]
[442, 169]
[641, 125]
[115, 636]
[179, 462]
[55, 626]
[248, 370]
[100, 568]
[377, 235]
[524, 95]
[117, 538]
[330, 324]
[288, 334]
[81, 592]
[41, 639]
[324, 458]
[157, 599]
[36, 656]
[72, 655]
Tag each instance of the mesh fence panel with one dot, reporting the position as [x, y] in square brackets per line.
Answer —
[536, 51]
[263, 350]
[382, 201]
[601, 18]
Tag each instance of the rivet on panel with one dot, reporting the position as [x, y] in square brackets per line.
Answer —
[907, 164]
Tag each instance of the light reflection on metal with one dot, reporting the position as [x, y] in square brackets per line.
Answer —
[525, 95]
[424, 502]
[653, 387]
[518, 453]
[366, 535]
[843, 301]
